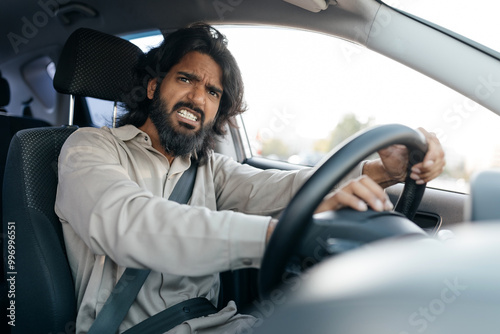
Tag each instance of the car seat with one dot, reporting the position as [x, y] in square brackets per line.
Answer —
[9, 125]
[4, 93]
[91, 64]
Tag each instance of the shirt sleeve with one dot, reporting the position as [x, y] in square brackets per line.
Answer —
[117, 218]
[244, 188]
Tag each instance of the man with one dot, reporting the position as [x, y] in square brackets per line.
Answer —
[114, 185]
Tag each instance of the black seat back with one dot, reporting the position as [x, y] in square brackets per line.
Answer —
[4, 93]
[44, 292]
[9, 125]
[45, 296]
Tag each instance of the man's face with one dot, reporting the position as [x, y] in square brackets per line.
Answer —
[191, 92]
[185, 105]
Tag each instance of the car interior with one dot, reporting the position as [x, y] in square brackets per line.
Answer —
[434, 253]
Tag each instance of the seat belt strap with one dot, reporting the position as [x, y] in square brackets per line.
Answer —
[174, 315]
[125, 291]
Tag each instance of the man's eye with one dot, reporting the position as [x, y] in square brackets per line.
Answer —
[184, 79]
[213, 93]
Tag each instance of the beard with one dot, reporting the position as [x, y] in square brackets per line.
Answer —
[185, 141]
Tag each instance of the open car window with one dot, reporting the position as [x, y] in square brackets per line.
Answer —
[307, 92]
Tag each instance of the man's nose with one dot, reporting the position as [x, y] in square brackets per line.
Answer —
[197, 95]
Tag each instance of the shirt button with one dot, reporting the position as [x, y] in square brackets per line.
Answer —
[247, 262]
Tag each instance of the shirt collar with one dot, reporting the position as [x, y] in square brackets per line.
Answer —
[129, 132]
[126, 132]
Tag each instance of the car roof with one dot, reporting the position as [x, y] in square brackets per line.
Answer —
[32, 25]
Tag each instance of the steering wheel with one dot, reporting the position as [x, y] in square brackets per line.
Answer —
[298, 214]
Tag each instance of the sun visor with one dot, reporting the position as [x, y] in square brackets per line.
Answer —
[311, 5]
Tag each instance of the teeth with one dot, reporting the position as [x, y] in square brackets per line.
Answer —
[186, 114]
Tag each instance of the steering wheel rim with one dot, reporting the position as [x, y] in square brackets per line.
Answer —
[299, 211]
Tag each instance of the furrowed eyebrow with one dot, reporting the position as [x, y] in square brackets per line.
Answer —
[215, 89]
[190, 76]
[194, 77]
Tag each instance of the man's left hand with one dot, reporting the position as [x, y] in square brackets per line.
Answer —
[433, 164]
[392, 166]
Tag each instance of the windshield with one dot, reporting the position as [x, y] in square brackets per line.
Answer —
[476, 20]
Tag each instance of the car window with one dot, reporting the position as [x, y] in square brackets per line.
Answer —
[307, 92]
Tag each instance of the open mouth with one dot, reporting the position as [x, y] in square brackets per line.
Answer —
[188, 118]
[187, 115]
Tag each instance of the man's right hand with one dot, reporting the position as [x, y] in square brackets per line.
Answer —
[358, 194]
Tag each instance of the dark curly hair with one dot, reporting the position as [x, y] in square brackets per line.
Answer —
[158, 61]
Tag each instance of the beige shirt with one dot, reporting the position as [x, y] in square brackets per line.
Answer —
[112, 202]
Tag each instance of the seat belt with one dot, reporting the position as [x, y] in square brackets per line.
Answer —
[174, 315]
[125, 291]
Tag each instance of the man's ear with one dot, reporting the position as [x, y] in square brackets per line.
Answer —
[151, 88]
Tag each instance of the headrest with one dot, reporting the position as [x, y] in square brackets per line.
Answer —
[97, 65]
[4, 92]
